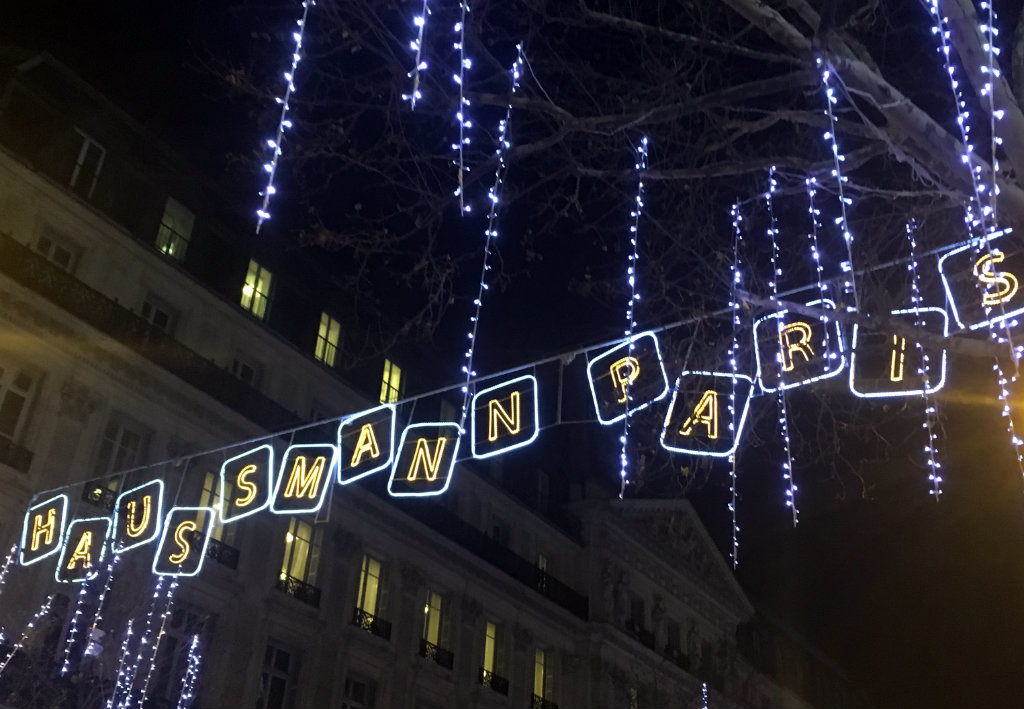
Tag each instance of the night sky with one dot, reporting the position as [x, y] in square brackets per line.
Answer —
[922, 603]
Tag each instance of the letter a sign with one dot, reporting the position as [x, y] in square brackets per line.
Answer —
[707, 413]
[83, 550]
[366, 442]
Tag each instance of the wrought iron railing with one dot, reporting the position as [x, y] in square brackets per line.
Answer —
[443, 657]
[299, 590]
[372, 624]
[18, 457]
[100, 496]
[227, 555]
[496, 682]
[541, 703]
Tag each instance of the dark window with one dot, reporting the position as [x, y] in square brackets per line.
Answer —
[277, 685]
[87, 166]
[360, 693]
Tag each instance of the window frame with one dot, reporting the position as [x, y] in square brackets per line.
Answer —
[166, 244]
[28, 395]
[327, 346]
[310, 565]
[80, 162]
[392, 382]
[378, 606]
[257, 301]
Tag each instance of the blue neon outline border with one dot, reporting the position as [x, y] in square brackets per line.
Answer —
[60, 537]
[739, 425]
[536, 418]
[911, 392]
[208, 521]
[826, 375]
[159, 516]
[398, 456]
[329, 475]
[391, 455]
[64, 548]
[626, 343]
[223, 485]
[982, 241]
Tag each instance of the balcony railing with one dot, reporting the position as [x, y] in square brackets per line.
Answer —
[102, 497]
[299, 590]
[438, 654]
[496, 682]
[677, 656]
[227, 555]
[372, 624]
[14, 455]
[542, 703]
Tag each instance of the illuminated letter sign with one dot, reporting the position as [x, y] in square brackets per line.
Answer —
[184, 540]
[425, 458]
[84, 548]
[42, 531]
[700, 419]
[366, 443]
[504, 417]
[307, 470]
[982, 280]
[793, 349]
[884, 364]
[137, 515]
[634, 373]
[251, 478]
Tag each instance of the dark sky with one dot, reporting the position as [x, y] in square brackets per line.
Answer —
[923, 603]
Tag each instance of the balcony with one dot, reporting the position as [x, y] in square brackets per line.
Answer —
[14, 455]
[496, 682]
[299, 590]
[678, 657]
[227, 555]
[542, 703]
[102, 497]
[438, 654]
[372, 624]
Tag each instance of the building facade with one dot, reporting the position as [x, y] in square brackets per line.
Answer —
[145, 338]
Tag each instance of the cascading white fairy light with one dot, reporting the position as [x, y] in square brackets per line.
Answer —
[837, 172]
[284, 122]
[811, 187]
[144, 641]
[5, 568]
[990, 68]
[461, 112]
[704, 695]
[43, 610]
[72, 634]
[931, 415]
[103, 596]
[122, 668]
[634, 297]
[773, 284]
[734, 304]
[491, 232]
[416, 45]
[191, 676]
[159, 637]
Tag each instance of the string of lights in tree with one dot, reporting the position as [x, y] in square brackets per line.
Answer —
[931, 416]
[704, 695]
[72, 634]
[811, 187]
[773, 284]
[120, 685]
[284, 122]
[191, 676]
[144, 640]
[850, 286]
[491, 232]
[111, 566]
[734, 304]
[461, 112]
[5, 568]
[43, 610]
[159, 637]
[990, 68]
[416, 45]
[634, 297]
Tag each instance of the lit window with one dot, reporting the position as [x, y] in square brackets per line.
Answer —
[213, 497]
[327, 339]
[391, 386]
[57, 249]
[87, 166]
[175, 229]
[17, 387]
[301, 551]
[372, 597]
[435, 620]
[256, 290]
[494, 649]
[543, 679]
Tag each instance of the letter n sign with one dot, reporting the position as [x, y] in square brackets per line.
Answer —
[366, 442]
[138, 514]
[307, 470]
[794, 349]
[504, 417]
[704, 418]
[628, 375]
[83, 550]
[42, 532]
[424, 461]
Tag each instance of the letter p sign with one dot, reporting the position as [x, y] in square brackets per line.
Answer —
[628, 377]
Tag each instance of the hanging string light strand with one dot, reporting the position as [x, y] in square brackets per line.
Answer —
[72, 634]
[43, 610]
[284, 122]
[634, 297]
[159, 637]
[419, 22]
[103, 597]
[734, 304]
[773, 284]
[5, 568]
[490, 233]
[462, 111]
[131, 672]
[120, 685]
[191, 676]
